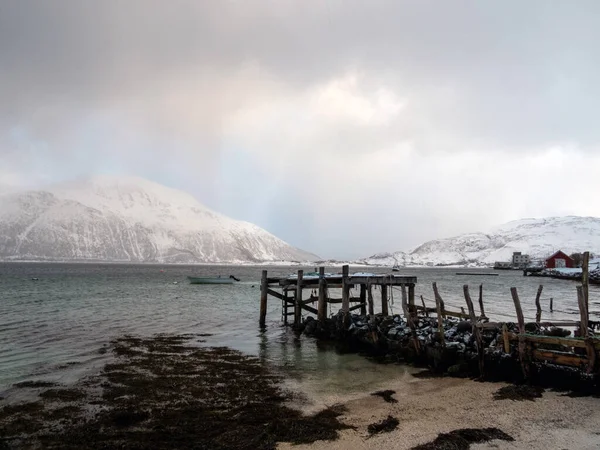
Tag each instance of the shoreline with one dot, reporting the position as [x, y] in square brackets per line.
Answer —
[169, 391]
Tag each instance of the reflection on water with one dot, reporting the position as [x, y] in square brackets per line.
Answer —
[56, 327]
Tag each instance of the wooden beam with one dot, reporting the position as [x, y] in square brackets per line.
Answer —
[384, 303]
[298, 304]
[555, 340]
[370, 299]
[476, 330]
[309, 309]
[263, 299]
[322, 305]
[411, 294]
[276, 294]
[409, 319]
[363, 299]
[505, 338]
[538, 307]
[355, 307]
[345, 296]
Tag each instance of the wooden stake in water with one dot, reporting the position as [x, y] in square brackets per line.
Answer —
[409, 319]
[584, 329]
[481, 301]
[298, 302]
[346, 295]
[263, 299]
[438, 297]
[585, 280]
[440, 320]
[521, 323]
[476, 330]
[322, 304]
[370, 300]
[538, 307]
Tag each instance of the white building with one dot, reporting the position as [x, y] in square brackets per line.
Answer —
[519, 259]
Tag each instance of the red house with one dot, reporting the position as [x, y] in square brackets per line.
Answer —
[559, 260]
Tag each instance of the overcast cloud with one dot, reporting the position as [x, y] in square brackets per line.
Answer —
[344, 127]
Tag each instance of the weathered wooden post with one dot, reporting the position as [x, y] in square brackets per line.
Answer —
[481, 301]
[298, 302]
[345, 295]
[585, 280]
[551, 305]
[411, 298]
[505, 338]
[424, 307]
[409, 319]
[440, 320]
[370, 297]
[521, 323]
[538, 307]
[438, 297]
[384, 299]
[263, 299]
[363, 300]
[584, 325]
[476, 330]
[322, 304]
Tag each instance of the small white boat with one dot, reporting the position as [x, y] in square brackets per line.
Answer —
[213, 280]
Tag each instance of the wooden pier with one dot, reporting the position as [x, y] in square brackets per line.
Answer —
[290, 290]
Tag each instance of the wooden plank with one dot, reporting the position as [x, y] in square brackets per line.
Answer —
[439, 297]
[440, 320]
[565, 359]
[370, 300]
[555, 340]
[363, 299]
[481, 301]
[538, 306]
[263, 299]
[521, 323]
[345, 295]
[384, 300]
[382, 279]
[298, 305]
[476, 330]
[322, 305]
[409, 319]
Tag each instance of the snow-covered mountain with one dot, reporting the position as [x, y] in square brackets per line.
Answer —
[538, 238]
[128, 219]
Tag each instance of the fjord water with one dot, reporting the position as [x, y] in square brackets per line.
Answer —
[57, 326]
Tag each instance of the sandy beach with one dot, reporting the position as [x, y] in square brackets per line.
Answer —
[428, 406]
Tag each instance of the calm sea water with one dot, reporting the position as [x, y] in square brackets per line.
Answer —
[55, 328]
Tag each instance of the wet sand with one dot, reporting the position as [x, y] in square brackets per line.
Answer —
[426, 407]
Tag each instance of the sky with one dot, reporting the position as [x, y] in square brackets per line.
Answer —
[346, 128]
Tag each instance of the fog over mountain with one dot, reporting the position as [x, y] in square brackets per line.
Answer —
[128, 219]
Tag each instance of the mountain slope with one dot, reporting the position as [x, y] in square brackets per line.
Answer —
[129, 219]
[537, 237]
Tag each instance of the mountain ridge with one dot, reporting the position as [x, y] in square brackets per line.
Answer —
[537, 237]
[128, 219]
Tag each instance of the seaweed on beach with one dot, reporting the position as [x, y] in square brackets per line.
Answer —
[463, 438]
[35, 384]
[519, 392]
[165, 393]
[386, 395]
[385, 426]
